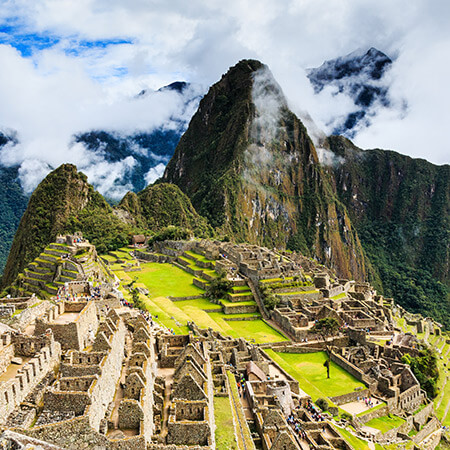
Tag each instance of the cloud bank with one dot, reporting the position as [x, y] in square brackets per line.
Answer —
[70, 67]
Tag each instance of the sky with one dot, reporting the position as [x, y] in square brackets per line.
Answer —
[70, 66]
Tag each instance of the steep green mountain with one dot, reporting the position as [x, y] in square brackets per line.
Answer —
[400, 208]
[13, 202]
[249, 166]
[63, 202]
[159, 206]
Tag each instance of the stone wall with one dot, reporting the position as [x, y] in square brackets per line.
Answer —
[6, 354]
[421, 417]
[73, 434]
[411, 399]
[130, 414]
[364, 418]
[350, 397]
[349, 367]
[14, 391]
[6, 311]
[66, 401]
[25, 345]
[105, 387]
[29, 315]
[188, 433]
[73, 335]
[11, 440]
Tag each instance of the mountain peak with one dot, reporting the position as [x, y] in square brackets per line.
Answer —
[249, 166]
[357, 75]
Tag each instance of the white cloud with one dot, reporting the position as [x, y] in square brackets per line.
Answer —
[154, 173]
[54, 93]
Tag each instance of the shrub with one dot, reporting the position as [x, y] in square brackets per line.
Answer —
[172, 233]
[322, 404]
[346, 416]
[218, 287]
[271, 301]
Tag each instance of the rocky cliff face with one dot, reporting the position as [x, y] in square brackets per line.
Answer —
[400, 208]
[248, 165]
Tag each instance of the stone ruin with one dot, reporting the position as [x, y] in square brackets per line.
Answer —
[88, 374]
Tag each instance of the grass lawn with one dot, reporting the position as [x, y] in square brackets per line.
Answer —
[355, 442]
[258, 330]
[385, 423]
[201, 303]
[308, 369]
[224, 424]
[341, 295]
[164, 280]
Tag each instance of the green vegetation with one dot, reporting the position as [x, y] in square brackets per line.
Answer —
[355, 442]
[63, 202]
[223, 414]
[386, 423]
[218, 287]
[239, 415]
[399, 207]
[308, 369]
[425, 368]
[12, 205]
[164, 205]
[166, 280]
[322, 404]
[326, 328]
[214, 164]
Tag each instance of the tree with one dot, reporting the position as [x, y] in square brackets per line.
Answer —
[425, 368]
[218, 287]
[137, 301]
[326, 327]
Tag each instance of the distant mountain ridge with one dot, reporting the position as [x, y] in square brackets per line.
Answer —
[359, 75]
[401, 209]
[150, 153]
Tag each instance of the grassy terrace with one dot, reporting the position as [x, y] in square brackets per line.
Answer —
[224, 424]
[355, 442]
[339, 296]
[308, 369]
[386, 423]
[199, 257]
[314, 291]
[166, 280]
[442, 401]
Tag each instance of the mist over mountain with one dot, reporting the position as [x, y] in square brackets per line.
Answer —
[362, 77]
[122, 146]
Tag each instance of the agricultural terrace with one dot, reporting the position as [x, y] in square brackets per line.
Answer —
[167, 283]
